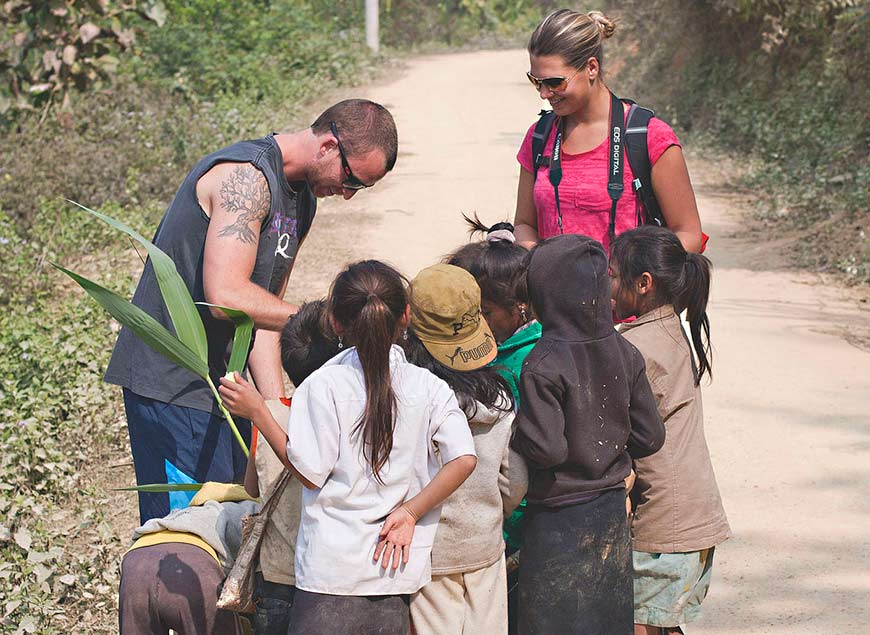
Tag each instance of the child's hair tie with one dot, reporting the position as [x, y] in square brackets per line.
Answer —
[410, 513]
[501, 234]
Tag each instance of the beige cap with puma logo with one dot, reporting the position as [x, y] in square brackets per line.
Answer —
[445, 316]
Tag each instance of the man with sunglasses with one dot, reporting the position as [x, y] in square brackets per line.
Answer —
[233, 230]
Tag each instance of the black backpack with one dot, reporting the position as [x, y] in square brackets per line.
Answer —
[636, 123]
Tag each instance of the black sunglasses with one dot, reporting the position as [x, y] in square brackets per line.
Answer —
[553, 83]
[351, 182]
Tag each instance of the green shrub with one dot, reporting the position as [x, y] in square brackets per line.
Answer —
[781, 84]
[461, 22]
[53, 48]
[250, 49]
[55, 416]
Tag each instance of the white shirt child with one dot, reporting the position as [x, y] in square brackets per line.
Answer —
[341, 520]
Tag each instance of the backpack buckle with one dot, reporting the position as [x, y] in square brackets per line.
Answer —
[637, 184]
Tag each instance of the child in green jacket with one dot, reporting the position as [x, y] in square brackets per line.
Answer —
[499, 265]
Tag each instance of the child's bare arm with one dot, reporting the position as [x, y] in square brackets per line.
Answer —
[629, 483]
[252, 481]
[398, 529]
[241, 398]
[446, 481]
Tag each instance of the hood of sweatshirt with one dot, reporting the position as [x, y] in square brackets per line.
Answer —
[570, 289]
[218, 524]
[485, 415]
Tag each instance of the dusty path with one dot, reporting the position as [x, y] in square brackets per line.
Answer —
[787, 415]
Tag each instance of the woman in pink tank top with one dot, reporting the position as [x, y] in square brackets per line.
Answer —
[565, 55]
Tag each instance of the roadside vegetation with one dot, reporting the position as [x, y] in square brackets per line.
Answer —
[110, 103]
[781, 87]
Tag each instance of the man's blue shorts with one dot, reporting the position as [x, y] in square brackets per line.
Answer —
[174, 444]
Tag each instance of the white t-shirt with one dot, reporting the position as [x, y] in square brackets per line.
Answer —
[340, 521]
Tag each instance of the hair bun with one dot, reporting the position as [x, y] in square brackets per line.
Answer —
[605, 25]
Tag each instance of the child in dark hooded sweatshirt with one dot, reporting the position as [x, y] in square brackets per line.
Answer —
[586, 410]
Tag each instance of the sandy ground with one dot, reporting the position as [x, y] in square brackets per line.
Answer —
[786, 416]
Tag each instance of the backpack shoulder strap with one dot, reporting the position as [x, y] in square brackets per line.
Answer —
[636, 128]
[546, 119]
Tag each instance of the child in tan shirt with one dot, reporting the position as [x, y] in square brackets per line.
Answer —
[468, 591]
[678, 514]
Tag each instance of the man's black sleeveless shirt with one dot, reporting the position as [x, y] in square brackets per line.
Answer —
[181, 234]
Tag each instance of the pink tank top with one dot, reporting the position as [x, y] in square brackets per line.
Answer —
[583, 191]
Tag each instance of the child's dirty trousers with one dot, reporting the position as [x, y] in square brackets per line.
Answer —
[471, 602]
[576, 570]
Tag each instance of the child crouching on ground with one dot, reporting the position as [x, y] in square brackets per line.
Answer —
[678, 516]
[307, 343]
[362, 439]
[587, 409]
[172, 574]
[449, 337]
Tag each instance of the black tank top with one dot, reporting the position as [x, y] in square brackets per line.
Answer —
[181, 234]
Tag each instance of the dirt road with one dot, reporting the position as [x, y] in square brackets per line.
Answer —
[786, 416]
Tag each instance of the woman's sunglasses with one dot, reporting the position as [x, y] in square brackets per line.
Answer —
[351, 182]
[553, 83]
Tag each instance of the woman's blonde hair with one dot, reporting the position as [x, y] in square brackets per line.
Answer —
[575, 37]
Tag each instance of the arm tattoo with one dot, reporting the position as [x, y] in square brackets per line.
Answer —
[245, 193]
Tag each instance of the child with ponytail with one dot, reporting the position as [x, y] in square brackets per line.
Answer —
[678, 514]
[499, 264]
[362, 439]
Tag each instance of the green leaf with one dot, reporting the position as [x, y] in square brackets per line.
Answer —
[241, 337]
[183, 312]
[23, 539]
[42, 573]
[11, 606]
[160, 488]
[28, 624]
[146, 327]
[157, 13]
[109, 63]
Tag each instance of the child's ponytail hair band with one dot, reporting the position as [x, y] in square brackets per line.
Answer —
[501, 231]
[501, 234]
